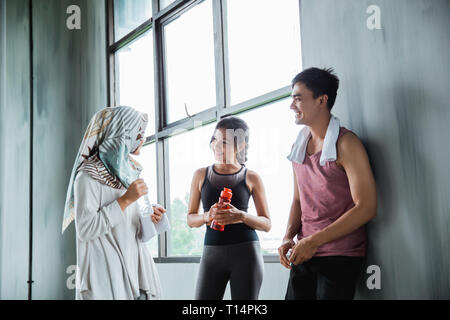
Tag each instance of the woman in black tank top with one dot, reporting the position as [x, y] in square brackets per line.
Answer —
[233, 254]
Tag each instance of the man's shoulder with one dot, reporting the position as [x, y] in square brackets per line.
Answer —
[349, 146]
[348, 139]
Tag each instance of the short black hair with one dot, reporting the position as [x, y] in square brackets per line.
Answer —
[320, 81]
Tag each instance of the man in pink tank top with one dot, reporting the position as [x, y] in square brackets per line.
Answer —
[332, 202]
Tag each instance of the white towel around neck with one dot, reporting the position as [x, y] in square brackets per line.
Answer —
[329, 144]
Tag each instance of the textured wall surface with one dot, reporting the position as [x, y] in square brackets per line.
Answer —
[69, 87]
[393, 95]
[70, 80]
[15, 148]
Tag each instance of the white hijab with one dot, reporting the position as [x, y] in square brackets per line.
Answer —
[111, 136]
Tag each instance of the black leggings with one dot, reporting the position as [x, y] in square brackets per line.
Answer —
[322, 278]
[242, 264]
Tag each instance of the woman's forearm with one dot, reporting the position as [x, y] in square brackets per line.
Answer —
[195, 220]
[123, 202]
[257, 222]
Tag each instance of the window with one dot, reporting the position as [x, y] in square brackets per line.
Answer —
[272, 133]
[165, 3]
[134, 77]
[129, 14]
[263, 46]
[187, 152]
[191, 64]
[190, 75]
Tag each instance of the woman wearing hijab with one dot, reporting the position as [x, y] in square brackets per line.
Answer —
[112, 262]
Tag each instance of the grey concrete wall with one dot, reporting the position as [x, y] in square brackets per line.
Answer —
[70, 86]
[394, 85]
[14, 148]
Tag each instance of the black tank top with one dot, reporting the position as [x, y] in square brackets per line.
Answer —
[212, 187]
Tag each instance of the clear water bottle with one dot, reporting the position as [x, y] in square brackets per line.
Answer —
[145, 206]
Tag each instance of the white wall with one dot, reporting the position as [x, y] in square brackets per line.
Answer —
[178, 281]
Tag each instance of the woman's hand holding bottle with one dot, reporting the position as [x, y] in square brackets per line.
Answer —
[208, 216]
[136, 190]
[158, 212]
[229, 216]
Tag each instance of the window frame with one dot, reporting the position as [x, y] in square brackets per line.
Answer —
[164, 130]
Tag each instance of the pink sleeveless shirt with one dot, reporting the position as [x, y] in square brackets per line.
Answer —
[324, 197]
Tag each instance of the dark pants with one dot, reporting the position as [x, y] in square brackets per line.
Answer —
[324, 278]
[240, 264]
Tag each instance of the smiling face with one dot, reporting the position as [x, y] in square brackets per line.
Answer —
[304, 105]
[223, 146]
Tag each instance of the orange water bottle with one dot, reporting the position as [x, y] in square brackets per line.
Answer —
[224, 200]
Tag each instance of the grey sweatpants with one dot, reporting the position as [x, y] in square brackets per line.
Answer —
[242, 264]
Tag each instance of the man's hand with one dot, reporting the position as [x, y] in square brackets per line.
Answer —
[303, 251]
[283, 250]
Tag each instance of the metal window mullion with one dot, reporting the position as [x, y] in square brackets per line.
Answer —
[259, 101]
[184, 125]
[111, 67]
[160, 121]
[132, 36]
[160, 180]
[159, 117]
[219, 55]
[174, 10]
[155, 7]
[165, 239]
[159, 76]
[226, 61]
